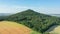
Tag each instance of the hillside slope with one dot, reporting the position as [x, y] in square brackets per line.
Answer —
[37, 21]
[8, 27]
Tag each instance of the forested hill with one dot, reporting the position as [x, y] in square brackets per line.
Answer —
[37, 21]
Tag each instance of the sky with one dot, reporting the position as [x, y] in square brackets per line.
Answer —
[41, 6]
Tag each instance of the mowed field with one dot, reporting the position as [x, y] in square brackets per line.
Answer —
[54, 30]
[7, 27]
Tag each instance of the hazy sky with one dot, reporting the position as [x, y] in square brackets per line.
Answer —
[42, 6]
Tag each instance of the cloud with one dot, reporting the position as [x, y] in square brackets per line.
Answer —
[15, 9]
[50, 10]
[12, 9]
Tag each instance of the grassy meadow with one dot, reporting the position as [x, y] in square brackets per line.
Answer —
[8, 27]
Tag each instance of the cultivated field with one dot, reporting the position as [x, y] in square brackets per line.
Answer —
[7, 27]
[54, 30]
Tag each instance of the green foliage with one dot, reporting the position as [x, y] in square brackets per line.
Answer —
[35, 32]
[2, 18]
[37, 21]
[46, 33]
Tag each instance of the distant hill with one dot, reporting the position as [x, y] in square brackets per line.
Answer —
[58, 15]
[34, 20]
[5, 14]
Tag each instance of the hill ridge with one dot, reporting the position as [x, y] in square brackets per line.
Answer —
[37, 21]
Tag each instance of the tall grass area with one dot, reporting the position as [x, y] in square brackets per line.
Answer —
[35, 32]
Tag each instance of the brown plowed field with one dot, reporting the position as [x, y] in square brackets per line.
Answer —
[7, 27]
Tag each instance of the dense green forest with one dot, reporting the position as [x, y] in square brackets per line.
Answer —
[34, 20]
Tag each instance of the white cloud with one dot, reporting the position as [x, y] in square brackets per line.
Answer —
[50, 10]
[12, 9]
[15, 9]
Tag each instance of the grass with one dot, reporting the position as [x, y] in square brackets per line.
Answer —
[7, 27]
[34, 32]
